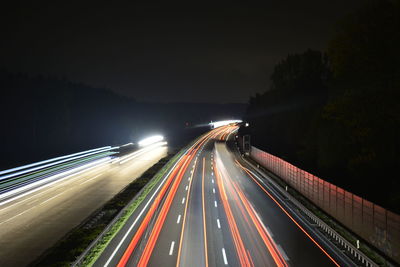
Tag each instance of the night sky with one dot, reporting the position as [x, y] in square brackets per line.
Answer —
[199, 52]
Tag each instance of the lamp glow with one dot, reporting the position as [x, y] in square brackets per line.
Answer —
[217, 124]
[150, 140]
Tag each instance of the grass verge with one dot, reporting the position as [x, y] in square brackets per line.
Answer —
[96, 251]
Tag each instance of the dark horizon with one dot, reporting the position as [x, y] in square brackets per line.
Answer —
[222, 53]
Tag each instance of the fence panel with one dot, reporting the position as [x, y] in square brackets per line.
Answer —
[373, 223]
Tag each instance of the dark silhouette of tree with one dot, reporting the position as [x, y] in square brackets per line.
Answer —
[349, 133]
[364, 117]
[280, 117]
[301, 72]
[42, 117]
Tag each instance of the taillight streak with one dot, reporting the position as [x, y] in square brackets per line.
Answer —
[238, 242]
[174, 179]
[132, 245]
[144, 259]
[290, 217]
[268, 241]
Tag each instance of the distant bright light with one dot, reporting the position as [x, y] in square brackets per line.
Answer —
[247, 124]
[128, 144]
[151, 140]
[217, 124]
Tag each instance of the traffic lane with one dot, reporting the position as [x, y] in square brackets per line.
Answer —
[105, 174]
[165, 250]
[214, 246]
[150, 253]
[119, 251]
[81, 178]
[221, 250]
[192, 246]
[53, 214]
[27, 199]
[174, 182]
[167, 247]
[251, 244]
[117, 246]
[299, 249]
[56, 178]
[184, 246]
[300, 252]
[195, 245]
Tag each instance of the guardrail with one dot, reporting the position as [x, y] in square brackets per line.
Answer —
[333, 235]
[376, 225]
[21, 176]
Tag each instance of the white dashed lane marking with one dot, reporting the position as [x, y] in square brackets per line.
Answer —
[224, 256]
[171, 249]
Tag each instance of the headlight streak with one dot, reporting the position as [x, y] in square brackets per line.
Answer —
[66, 159]
[217, 124]
[14, 183]
[75, 176]
[150, 140]
[48, 181]
[135, 154]
[50, 160]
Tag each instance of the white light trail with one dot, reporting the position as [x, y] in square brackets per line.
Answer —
[64, 159]
[151, 140]
[50, 160]
[46, 182]
[217, 124]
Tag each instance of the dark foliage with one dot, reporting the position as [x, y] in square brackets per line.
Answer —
[340, 118]
[43, 117]
[282, 118]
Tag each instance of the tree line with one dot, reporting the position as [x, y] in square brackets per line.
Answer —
[336, 113]
[44, 116]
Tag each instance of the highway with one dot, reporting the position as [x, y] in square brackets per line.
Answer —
[212, 210]
[32, 221]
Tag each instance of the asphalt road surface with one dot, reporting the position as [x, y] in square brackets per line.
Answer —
[32, 223]
[211, 211]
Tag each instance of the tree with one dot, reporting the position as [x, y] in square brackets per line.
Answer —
[364, 116]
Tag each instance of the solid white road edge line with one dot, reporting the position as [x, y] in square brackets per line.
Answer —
[140, 214]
